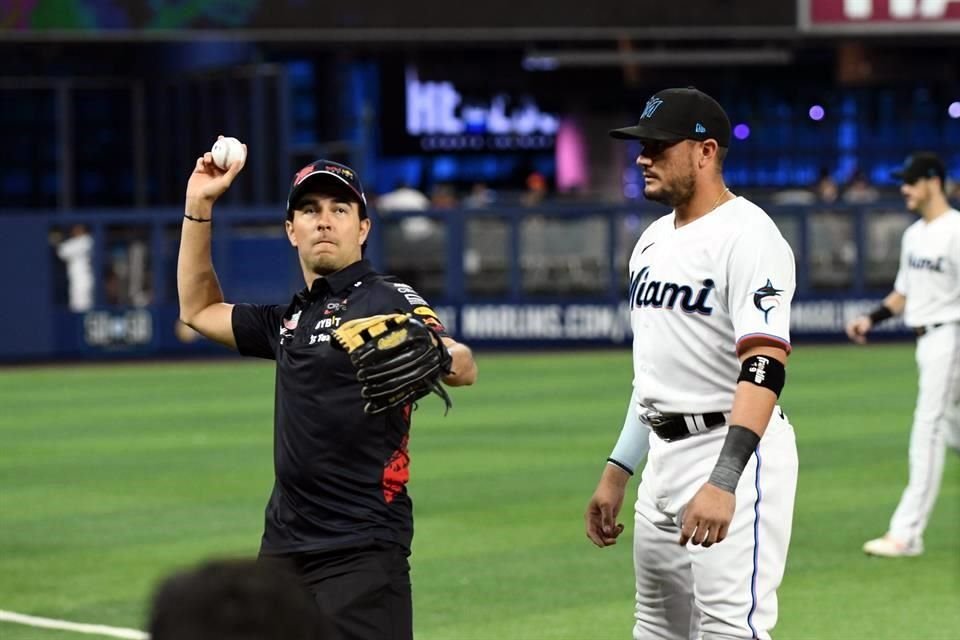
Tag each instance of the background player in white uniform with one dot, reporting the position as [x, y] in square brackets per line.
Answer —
[710, 291]
[77, 252]
[927, 292]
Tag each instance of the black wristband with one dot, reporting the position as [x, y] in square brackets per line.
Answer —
[880, 314]
[740, 444]
[190, 217]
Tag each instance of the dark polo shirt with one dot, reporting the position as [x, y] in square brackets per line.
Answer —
[340, 474]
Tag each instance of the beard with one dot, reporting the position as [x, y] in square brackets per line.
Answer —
[675, 194]
[326, 265]
[322, 265]
[323, 268]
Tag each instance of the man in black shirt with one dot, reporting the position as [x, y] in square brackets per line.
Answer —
[339, 510]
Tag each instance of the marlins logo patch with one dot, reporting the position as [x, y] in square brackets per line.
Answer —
[651, 107]
[767, 298]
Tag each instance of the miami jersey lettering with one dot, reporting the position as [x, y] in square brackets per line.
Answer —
[728, 273]
[929, 274]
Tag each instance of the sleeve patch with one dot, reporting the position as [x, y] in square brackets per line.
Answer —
[410, 295]
[766, 299]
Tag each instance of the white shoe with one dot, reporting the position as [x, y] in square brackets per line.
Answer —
[887, 547]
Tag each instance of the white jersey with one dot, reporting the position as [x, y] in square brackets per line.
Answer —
[76, 252]
[929, 274]
[696, 294]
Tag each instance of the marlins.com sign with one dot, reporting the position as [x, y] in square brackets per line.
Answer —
[879, 16]
[533, 324]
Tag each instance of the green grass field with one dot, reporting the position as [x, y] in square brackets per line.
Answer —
[111, 476]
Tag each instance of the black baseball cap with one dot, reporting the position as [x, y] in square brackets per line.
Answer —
[679, 114]
[923, 164]
[325, 171]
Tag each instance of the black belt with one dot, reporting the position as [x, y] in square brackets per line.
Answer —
[922, 331]
[677, 426]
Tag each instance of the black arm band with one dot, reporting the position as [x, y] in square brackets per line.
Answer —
[739, 445]
[880, 314]
[764, 371]
[190, 217]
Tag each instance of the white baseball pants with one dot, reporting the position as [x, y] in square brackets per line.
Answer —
[730, 589]
[936, 423]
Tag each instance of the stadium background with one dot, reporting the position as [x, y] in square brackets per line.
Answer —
[116, 473]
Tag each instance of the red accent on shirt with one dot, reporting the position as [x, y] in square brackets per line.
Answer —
[396, 473]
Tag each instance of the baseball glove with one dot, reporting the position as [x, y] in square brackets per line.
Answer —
[399, 359]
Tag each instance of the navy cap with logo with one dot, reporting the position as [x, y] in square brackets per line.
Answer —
[325, 171]
[679, 114]
[923, 164]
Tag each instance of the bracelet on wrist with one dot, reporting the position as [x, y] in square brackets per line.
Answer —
[190, 217]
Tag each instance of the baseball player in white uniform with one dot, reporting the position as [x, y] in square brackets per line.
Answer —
[927, 292]
[77, 252]
[710, 291]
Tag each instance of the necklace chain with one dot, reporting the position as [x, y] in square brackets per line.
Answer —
[717, 201]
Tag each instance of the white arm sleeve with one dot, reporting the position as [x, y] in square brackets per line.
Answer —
[634, 442]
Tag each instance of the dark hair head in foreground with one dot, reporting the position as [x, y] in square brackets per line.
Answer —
[234, 600]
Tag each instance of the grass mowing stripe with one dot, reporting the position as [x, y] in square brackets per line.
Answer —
[112, 476]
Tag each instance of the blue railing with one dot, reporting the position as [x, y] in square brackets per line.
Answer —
[471, 263]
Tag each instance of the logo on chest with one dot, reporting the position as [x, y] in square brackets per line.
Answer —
[288, 326]
[337, 306]
[927, 264]
[656, 294]
[319, 334]
[323, 328]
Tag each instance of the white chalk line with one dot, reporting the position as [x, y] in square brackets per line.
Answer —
[76, 627]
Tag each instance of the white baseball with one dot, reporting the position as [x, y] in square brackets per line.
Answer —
[226, 151]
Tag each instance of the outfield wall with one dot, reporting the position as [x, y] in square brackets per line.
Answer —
[552, 277]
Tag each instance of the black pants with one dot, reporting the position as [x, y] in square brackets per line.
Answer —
[364, 594]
